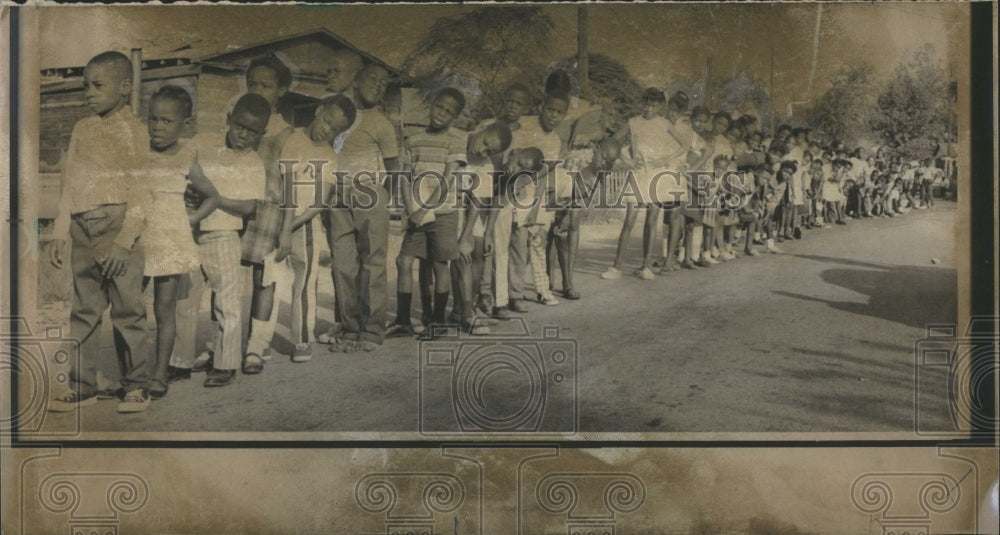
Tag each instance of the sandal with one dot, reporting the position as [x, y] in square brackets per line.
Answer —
[570, 293]
[252, 364]
[157, 389]
[363, 346]
[342, 346]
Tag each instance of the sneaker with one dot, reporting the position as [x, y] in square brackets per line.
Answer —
[612, 273]
[70, 402]
[302, 353]
[547, 300]
[203, 362]
[135, 401]
[645, 274]
[753, 252]
[727, 256]
[399, 330]
[708, 259]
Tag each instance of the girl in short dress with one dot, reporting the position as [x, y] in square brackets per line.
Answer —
[168, 242]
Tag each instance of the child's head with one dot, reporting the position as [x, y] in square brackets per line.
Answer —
[248, 122]
[493, 139]
[721, 122]
[734, 134]
[677, 106]
[720, 163]
[370, 84]
[169, 114]
[107, 82]
[783, 132]
[515, 102]
[607, 153]
[559, 81]
[788, 168]
[270, 78]
[343, 67]
[334, 115]
[653, 101]
[527, 160]
[700, 119]
[554, 110]
[447, 104]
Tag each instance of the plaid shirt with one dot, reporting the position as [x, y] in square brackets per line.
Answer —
[261, 235]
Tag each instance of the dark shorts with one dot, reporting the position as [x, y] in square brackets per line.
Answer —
[437, 240]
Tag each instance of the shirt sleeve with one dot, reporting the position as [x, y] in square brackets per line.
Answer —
[386, 138]
[61, 227]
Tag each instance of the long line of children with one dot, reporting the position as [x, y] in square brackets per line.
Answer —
[142, 204]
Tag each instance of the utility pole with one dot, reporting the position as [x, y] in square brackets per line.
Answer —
[583, 57]
[812, 67]
[771, 93]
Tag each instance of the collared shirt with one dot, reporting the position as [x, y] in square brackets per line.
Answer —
[106, 164]
[236, 175]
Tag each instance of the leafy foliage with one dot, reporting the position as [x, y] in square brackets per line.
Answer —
[916, 103]
[846, 110]
[495, 45]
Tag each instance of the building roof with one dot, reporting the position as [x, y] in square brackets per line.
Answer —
[323, 34]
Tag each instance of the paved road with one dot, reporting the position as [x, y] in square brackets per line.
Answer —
[819, 339]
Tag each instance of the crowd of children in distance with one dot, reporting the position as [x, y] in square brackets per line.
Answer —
[140, 204]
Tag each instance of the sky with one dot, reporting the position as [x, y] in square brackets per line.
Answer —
[658, 43]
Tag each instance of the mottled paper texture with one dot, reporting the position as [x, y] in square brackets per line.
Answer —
[880, 347]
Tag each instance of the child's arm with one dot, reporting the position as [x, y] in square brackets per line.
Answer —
[491, 220]
[465, 241]
[204, 187]
[309, 213]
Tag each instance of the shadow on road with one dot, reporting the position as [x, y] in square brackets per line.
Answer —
[910, 295]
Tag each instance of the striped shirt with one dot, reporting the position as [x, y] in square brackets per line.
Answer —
[429, 154]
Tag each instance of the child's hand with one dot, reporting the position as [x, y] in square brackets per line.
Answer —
[284, 245]
[465, 247]
[113, 261]
[57, 253]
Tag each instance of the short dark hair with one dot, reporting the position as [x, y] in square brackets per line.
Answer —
[503, 132]
[345, 105]
[653, 95]
[517, 86]
[557, 95]
[253, 104]
[176, 94]
[679, 100]
[119, 61]
[723, 114]
[278, 67]
[559, 81]
[719, 158]
[454, 94]
[536, 157]
[701, 111]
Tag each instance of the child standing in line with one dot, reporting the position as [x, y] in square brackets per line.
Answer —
[432, 226]
[169, 243]
[308, 163]
[102, 211]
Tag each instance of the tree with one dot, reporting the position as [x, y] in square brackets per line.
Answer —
[495, 45]
[613, 88]
[915, 103]
[846, 110]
